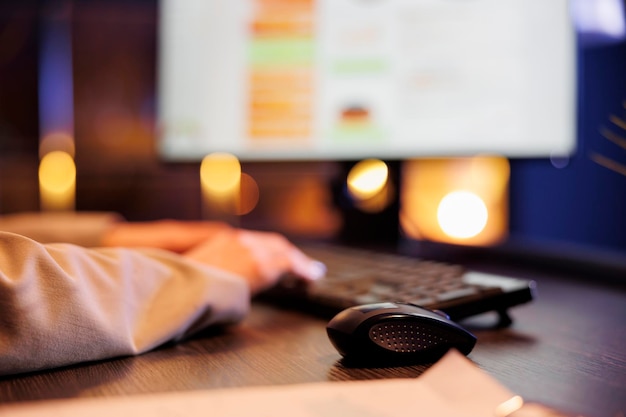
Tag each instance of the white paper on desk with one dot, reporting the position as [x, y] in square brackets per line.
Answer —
[453, 387]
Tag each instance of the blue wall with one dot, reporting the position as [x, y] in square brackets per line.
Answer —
[584, 202]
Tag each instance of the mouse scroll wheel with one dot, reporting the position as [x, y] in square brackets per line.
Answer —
[405, 337]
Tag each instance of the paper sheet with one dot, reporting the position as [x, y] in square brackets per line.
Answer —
[453, 387]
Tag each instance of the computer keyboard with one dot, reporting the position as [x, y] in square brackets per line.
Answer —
[359, 276]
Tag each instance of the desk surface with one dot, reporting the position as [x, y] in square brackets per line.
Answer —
[566, 350]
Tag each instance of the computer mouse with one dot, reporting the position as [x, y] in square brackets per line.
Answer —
[396, 332]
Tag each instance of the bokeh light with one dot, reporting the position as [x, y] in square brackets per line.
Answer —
[462, 214]
[427, 181]
[220, 173]
[57, 181]
[227, 191]
[249, 197]
[369, 185]
[367, 178]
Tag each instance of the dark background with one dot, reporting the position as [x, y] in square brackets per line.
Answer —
[577, 210]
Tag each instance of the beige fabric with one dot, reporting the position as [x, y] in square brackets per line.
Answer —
[80, 228]
[62, 304]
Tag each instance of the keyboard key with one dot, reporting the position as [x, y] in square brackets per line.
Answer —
[357, 276]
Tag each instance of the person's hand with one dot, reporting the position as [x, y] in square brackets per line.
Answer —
[173, 235]
[261, 258]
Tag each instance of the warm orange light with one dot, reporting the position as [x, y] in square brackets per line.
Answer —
[226, 190]
[462, 214]
[303, 207]
[220, 173]
[369, 185]
[367, 178]
[428, 199]
[249, 197]
[57, 181]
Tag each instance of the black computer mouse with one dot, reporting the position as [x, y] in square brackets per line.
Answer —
[396, 332]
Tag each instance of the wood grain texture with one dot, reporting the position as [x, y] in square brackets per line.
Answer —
[565, 350]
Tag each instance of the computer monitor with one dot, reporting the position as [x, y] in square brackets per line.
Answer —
[344, 80]
[351, 79]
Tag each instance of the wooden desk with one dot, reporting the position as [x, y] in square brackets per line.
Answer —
[567, 350]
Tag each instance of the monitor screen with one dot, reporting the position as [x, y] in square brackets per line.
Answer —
[350, 79]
